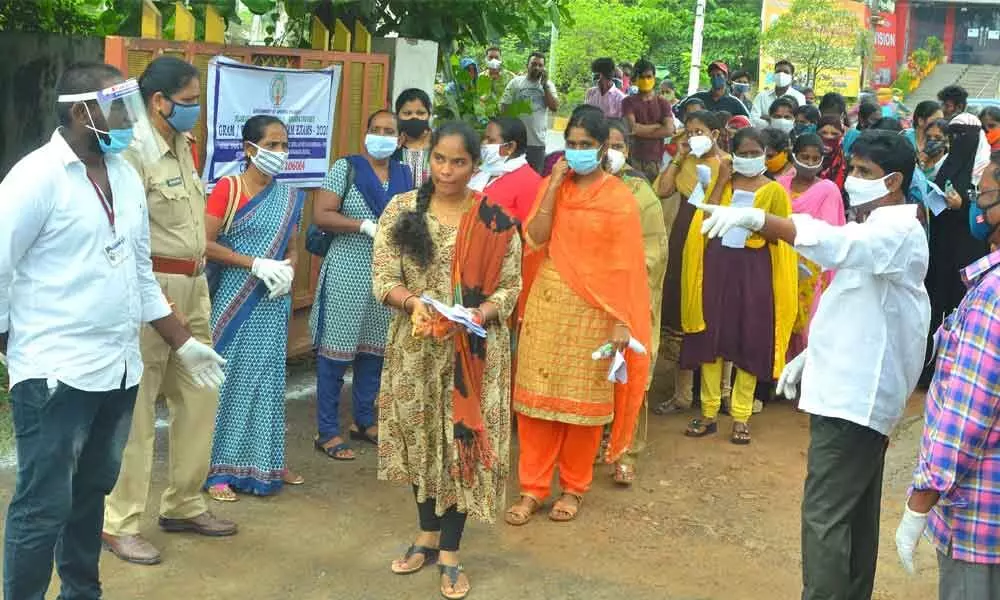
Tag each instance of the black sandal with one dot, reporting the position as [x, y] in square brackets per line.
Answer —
[452, 572]
[741, 434]
[430, 557]
[698, 428]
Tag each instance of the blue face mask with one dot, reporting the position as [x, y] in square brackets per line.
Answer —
[718, 82]
[183, 117]
[120, 140]
[583, 162]
[741, 88]
[381, 146]
[979, 227]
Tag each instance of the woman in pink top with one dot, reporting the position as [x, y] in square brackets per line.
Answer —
[818, 198]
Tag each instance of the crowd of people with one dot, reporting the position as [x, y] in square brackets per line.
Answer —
[744, 248]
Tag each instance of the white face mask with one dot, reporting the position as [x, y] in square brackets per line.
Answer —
[700, 144]
[749, 167]
[862, 191]
[494, 64]
[492, 161]
[782, 80]
[616, 161]
[783, 125]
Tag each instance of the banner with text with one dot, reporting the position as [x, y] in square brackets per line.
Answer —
[305, 101]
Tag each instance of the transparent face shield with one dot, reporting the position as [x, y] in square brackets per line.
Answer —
[118, 118]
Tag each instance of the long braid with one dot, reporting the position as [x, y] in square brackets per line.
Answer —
[411, 233]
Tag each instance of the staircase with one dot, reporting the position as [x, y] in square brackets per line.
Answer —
[981, 81]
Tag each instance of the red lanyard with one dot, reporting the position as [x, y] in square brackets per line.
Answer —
[106, 204]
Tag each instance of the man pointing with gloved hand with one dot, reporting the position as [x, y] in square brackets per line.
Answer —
[866, 350]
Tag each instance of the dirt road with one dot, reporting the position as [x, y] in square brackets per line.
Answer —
[707, 520]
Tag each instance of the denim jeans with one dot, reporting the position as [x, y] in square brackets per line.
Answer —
[364, 389]
[69, 450]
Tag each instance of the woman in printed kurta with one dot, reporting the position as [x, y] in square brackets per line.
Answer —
[413, 108]
[347, 323]
[585, 287]
[444, 406]
[818, 198]
[252, 218]
[744, 296]
[654, 242]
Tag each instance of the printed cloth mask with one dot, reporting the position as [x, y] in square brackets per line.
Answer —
[935, 147]
[862, 191]
[583, 161]
[749, 167]
[700, 144]
[381, 147]
[803, 128]
[268, 161]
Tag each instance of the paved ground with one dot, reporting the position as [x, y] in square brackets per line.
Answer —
[707, 520]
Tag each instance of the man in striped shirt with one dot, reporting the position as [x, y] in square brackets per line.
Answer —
[956, 485]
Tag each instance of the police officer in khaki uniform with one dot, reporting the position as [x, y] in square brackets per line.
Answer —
[171, 90]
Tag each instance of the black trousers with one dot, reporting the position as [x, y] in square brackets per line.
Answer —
[840, 510]
[451, 524]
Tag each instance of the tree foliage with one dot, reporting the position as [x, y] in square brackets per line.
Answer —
[817, 35]
[65, 17]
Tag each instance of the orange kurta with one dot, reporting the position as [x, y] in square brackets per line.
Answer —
[596, 251]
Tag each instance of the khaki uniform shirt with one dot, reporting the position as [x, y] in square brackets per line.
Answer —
[176, 200]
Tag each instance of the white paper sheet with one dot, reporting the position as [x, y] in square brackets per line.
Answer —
[737, 236]
[618, 371]
[456, 314]
[934, 199]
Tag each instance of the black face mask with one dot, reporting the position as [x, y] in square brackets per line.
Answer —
[414, 128]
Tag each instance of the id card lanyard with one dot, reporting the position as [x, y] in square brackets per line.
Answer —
[106, 204]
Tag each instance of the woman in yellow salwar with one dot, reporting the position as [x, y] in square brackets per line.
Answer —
[654, 242]
[585, 285]
[697, 146]
[745, 296]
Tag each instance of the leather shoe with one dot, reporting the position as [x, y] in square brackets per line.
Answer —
[131, 548]
[204, 524]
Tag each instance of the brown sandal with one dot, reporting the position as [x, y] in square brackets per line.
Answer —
[521, 512]
[562, 511]
[624, 474]
[701, 427]
[741, 434]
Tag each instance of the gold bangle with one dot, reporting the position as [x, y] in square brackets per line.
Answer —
[544, 212]
[407, 299]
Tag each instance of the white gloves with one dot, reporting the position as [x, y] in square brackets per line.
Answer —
[791, 376]
[911, 528]
[276, 274]
[202, 363]
[723, 218]
[369, 228]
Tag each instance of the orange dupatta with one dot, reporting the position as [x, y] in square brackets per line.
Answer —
[483, 237]
[596, 244]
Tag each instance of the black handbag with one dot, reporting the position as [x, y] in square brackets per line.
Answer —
[318, 241]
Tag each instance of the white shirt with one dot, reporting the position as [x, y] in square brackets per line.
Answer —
[484, 178]
[869, 333]
[761, 107]
[72, 315]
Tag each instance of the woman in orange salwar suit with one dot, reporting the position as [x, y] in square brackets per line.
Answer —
[584, 286]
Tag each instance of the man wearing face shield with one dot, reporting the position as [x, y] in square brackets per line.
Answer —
[956, 489]
[75, 287]
[176, 201]
[865, 352]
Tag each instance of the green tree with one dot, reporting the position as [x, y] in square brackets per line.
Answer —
[600, 28]
[816, 35]
[65, 17]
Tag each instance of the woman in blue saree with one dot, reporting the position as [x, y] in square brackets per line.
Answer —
[347, 323]
[251, 226]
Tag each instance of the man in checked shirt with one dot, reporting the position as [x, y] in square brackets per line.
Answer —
[956, 485]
